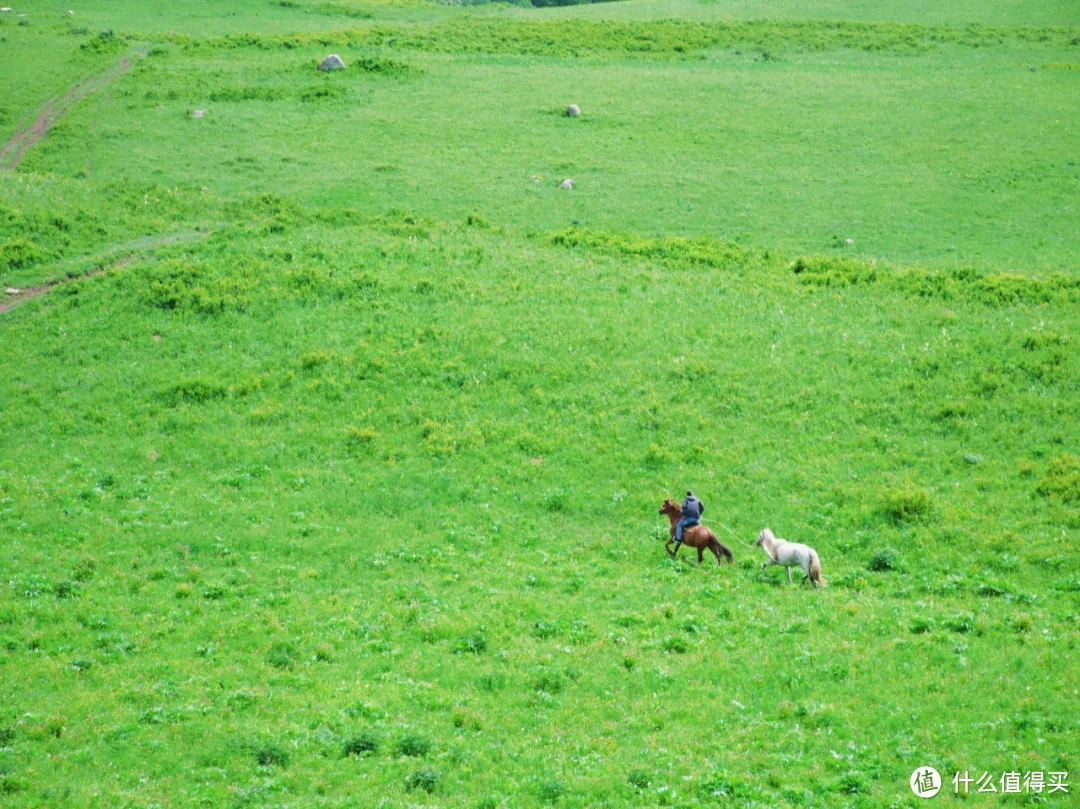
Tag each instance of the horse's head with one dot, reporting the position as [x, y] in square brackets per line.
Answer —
[670, 507]
[765, 534]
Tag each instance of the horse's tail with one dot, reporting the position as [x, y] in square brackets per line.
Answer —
[815, 568]
[720, 549]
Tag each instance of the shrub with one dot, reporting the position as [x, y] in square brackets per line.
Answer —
[639, 779]
[850, 784]
[196, 391]
[550, 790]
[464, 719]
[10, 785]
[473, 643]
[360, 437]
[544, 630]
[550, 682]
[920, 626]
[270, 755]
[18, 254]
[426, 778]
[413, 744]
[1021, 623]
[105, 42]
[884, 560]
[281, 655]
[1062, 479]
[675, 645]
[907, 504]
[834, 272]
[314, 359]
[658, 456]
[84, 569]
[323, 91]
[382, 66]
[366, 741]
[962, 622]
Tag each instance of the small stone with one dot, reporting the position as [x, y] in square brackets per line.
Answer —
[573, 111]
[4, 10]
[568, 184]
[849, 241]
[12, 291]
[198, 113]
[332, 62]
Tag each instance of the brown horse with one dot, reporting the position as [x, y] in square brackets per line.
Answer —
[696, 536]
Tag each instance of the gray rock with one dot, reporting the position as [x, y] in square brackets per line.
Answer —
[573, 111]
[332, 62]
[568, 184]
[198, 113]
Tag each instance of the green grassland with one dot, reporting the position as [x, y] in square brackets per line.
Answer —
[330, 465]
[949, 148]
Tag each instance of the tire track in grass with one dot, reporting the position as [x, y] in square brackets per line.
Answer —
[10, 297]
[56, 108]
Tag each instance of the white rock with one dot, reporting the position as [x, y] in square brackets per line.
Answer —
[11, 291]
[573, 111]
[198, 113]
[332, 62]
[568, 184]
[849, 241]
[4, 10]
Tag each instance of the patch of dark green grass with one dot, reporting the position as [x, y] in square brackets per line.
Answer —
[414, 744]
[425, 778]
[271, 755]
[363, 743]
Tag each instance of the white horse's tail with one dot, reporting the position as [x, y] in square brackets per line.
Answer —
[815, 568]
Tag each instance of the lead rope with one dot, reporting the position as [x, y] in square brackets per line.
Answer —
[747, 544]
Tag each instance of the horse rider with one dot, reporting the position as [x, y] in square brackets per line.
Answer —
[692, 509]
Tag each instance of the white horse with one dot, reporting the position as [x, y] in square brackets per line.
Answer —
[788, 554]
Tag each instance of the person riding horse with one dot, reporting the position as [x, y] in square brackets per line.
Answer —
[692, 509]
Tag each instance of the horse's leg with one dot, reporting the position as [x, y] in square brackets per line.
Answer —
[788, 569]
[700, 558]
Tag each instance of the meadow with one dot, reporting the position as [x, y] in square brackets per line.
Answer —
[330, 461]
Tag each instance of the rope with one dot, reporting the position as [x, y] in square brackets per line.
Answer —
[747, 544]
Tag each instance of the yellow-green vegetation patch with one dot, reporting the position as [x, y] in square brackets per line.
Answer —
[580, 37]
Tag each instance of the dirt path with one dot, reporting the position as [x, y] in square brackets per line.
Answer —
[56, 108]
[10, 297]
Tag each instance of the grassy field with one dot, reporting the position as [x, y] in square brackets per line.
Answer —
[330, 462]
